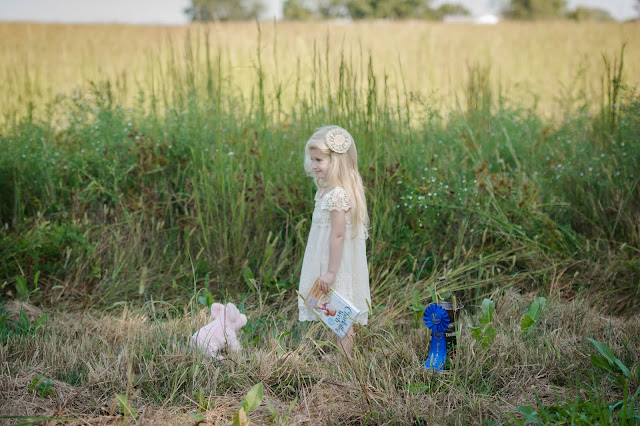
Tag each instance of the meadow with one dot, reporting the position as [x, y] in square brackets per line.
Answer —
[148, 171]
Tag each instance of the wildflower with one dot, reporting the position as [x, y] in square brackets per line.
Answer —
[230, 153]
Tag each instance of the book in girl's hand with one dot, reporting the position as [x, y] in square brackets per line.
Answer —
[333, 309]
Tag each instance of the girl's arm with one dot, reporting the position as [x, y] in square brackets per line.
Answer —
[336, 244]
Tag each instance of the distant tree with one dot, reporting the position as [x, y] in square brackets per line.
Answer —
[224, 10]
[296, 10]
[387, 9]
[446, 9]
[535, 9]
[589, 14]
[452, 9]
[329, 9]
[302, 10]
[361, 9]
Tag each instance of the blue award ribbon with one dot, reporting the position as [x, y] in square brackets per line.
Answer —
[437, 319]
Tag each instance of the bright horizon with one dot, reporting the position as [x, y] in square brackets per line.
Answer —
[171, 12]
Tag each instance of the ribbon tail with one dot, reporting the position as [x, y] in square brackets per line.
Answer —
[437, 353]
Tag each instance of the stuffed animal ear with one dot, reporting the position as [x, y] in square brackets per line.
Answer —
[231, 312]
[216, 309]
[243, 321]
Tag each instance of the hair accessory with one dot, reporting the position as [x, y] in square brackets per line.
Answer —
[338, 140]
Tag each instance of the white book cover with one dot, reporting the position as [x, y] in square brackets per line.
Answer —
[333, 309]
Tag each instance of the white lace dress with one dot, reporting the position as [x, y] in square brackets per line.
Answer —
[352, 278]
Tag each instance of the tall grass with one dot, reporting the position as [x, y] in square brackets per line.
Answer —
[194, 184]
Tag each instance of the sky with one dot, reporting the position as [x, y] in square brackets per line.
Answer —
[172, 11]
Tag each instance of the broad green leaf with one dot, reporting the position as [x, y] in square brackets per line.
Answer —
[602, 363]
[416, 305]
[527, 322]
[604, 350]
[240, 418]
[611, 357]
[488, 308]
[253, 398]
[530, 415]
[126, 407]
[535, 309]
[477, 332]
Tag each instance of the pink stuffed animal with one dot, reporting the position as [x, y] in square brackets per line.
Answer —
[227, 321]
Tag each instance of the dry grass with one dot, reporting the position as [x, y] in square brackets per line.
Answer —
[150, 361]
[553, 65]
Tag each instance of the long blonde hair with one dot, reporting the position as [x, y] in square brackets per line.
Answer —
[342, 172]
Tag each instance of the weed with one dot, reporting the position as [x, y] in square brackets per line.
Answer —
[533, 315]
[22, 326]
[250, 402]
[42, 386]
[485, 332]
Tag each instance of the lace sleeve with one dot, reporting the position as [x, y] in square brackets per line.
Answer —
[337, 199]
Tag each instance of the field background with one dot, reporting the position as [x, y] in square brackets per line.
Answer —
[551, 65]
[148, 171]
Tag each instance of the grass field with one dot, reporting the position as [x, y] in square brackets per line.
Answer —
[147, 171]
[554, 66]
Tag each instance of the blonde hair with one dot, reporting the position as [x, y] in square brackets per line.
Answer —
[342, 172]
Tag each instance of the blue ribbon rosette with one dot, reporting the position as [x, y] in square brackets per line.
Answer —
[437, 319]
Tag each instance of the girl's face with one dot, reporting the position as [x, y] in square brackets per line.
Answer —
[320, 163]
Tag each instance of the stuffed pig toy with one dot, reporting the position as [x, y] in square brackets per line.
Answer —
[221, 332]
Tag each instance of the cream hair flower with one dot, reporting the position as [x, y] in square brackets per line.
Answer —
[338, 140]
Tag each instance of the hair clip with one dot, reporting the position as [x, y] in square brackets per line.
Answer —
[338, 140]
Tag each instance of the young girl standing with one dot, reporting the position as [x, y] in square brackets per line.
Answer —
[336, 250]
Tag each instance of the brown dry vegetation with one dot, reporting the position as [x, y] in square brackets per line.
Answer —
[151, 359]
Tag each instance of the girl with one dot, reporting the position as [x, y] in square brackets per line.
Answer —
[336, 247]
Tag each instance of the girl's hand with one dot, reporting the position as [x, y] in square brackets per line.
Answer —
[326, 281]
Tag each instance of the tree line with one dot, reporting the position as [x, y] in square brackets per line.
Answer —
[302, 10]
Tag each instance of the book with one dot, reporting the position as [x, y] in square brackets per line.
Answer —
[332, 309]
